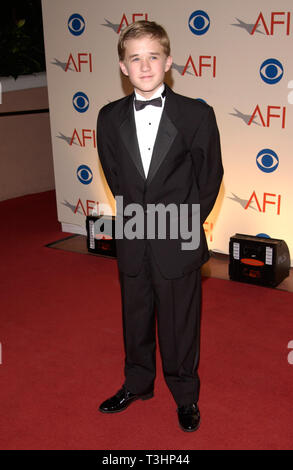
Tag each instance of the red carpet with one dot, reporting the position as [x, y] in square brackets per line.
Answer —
[62, 353]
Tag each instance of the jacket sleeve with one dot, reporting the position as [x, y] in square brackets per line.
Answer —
[106, 152]
[206, 154]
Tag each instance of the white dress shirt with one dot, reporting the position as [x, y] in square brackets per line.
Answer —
[147, 122]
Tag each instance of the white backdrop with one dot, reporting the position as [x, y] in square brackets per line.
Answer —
[235, 55]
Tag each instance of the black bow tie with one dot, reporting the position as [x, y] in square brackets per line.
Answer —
[142, 104]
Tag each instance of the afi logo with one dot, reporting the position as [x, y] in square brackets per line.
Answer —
[84, 136]
[135, 17]
[280, 18]
[88, 208]
[124, 22]
[80, 61]
[267, 198]
[202, 63]
[267, 114]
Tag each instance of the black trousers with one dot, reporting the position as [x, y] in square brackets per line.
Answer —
[177, 304]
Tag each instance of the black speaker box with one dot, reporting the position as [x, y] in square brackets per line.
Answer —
[101, 238]
[258, 260]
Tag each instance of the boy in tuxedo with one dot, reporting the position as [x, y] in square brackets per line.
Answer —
[158, 147]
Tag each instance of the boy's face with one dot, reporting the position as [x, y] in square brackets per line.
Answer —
[145, 63]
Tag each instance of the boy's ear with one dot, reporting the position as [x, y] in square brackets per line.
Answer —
[169, 62]
[123, 68]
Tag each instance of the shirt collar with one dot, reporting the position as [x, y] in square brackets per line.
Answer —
[155, 95]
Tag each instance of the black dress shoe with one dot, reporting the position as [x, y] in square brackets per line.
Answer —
[122, 400]
[189, 417]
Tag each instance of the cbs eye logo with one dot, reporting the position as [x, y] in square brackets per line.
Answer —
[84, 174]
[80, 102]
[199, 22]
[267, 160]
[76, 24]
[271, 71]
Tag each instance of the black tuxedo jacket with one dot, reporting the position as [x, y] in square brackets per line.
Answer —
[186, 168]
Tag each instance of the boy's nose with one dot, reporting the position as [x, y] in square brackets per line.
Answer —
[145, 64]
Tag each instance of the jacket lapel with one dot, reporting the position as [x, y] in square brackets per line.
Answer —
[165, 136]
[129, 137]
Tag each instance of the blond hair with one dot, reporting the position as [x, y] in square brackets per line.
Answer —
[143, 28]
